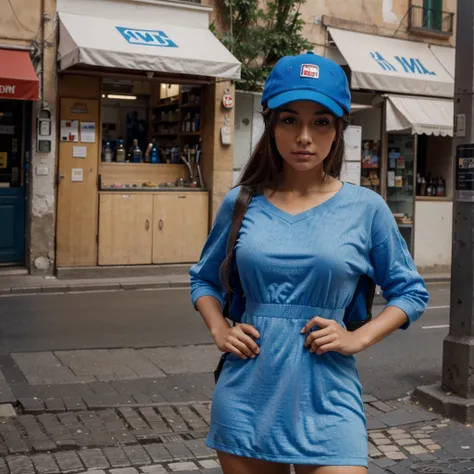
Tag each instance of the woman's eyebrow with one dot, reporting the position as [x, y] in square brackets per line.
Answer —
[292, 111]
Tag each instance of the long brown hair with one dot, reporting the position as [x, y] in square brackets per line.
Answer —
[265, 167]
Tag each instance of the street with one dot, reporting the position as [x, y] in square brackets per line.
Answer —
[162, 318]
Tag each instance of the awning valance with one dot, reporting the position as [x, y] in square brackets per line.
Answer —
[18, 79]
[147, 46]
[420, 115]
[393, 65]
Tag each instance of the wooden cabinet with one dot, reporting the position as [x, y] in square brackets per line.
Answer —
[125, 229]
[144, 228]
[180, 226]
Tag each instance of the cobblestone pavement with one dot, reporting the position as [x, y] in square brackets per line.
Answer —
[171, 438]
[125, 411]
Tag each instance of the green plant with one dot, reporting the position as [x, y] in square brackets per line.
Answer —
[259, 35]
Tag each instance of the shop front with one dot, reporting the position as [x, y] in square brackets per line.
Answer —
[402, 93]
[19, 86]
[145, 142]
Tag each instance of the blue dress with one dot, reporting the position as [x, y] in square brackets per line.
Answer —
[288, 405]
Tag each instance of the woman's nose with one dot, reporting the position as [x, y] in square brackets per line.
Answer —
[304, 137]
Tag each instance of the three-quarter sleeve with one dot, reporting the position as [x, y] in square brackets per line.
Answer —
[393, 267]
[205, 279]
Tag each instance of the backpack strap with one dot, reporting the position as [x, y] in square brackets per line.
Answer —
[240, 208]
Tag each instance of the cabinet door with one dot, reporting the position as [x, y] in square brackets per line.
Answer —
[180, 226]
[125, 229]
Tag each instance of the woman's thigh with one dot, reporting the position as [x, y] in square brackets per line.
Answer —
[330, 470]
[239, 465]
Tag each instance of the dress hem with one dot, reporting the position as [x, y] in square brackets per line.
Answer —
[322, 461]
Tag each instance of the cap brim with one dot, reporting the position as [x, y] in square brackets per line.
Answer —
[305, 94]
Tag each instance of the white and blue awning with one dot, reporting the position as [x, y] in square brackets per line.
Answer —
[394, 65]
[143, 45]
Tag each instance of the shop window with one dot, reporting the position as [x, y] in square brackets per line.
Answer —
[151, 123]
[434, 167]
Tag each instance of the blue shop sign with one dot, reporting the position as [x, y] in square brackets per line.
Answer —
[403, 64]
[146, 37]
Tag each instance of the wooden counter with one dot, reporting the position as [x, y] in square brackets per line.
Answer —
[152, 227]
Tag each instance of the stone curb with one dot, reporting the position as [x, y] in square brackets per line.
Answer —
[447, 404]
[92, 287]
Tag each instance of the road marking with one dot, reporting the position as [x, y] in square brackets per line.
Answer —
[441, 326]
[438, 307]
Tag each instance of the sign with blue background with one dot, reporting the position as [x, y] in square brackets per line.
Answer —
[146, 37]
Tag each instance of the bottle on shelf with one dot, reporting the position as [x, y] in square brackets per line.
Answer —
[431, 187]
[154, 153]
[136, 152]
[147, 153]
[108, 153]
[120, 153]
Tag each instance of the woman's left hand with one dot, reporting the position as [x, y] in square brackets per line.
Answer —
[330, 336]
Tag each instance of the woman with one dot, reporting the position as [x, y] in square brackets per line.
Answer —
[289, 392]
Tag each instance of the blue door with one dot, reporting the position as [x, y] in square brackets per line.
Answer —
[12, 186]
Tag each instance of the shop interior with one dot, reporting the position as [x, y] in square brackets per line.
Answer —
[150, 123]
[412, 167]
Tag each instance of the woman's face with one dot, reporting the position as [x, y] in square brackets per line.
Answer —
[304, 134]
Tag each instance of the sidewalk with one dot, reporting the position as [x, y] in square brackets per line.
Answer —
[28, 284]
[125, 411]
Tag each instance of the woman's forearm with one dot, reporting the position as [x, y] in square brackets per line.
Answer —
[211, 312]
[388, 321]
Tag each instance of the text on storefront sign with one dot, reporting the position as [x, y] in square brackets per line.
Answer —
[403, 64]
[146, 37]
[6, 89]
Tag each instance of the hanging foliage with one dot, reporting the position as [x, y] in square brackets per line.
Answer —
[259, 34]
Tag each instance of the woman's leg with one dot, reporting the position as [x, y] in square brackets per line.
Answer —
[330, 470]
[239, 465]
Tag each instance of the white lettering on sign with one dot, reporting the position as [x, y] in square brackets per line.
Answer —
[309, 70]
[7, 89]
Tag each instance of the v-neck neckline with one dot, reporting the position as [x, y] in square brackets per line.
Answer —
[287, 216]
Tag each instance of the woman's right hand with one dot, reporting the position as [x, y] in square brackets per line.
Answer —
[238, 340]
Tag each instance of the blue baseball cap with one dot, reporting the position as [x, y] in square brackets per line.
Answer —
[308, 77]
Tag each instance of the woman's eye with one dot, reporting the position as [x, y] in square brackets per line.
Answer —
[323, 122]
[288, 120]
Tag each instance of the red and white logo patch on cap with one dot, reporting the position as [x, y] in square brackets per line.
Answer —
[310, 70]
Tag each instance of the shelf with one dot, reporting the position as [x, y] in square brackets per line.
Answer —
[191, 106]
[191, 134]
[405, 226]
[171, 104]
[166, 134]
[434, 198]
[370, 167]
[166, 121]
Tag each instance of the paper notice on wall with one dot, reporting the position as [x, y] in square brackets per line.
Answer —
[3, 159]
[70, 131]
[79, 152]
[350, 172]
[88, 132]
[7, 129]
[353, 143]
[77, 175]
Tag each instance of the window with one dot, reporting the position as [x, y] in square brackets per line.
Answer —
[432, 14]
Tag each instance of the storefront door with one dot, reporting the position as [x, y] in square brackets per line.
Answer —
[12, 189]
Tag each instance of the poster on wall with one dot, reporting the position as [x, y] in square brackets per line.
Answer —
[77, 175]
[353, 143]
[88, 132]
[70, 131]
[3, 159]
[465, 173]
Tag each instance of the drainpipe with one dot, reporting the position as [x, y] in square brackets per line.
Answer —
[15, 47]
[42, 48]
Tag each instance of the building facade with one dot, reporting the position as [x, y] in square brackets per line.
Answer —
[27, 171]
